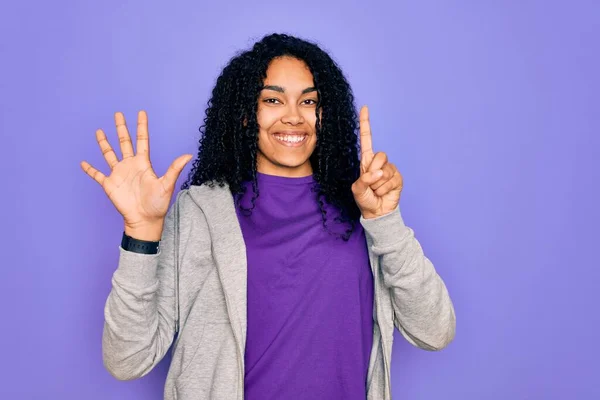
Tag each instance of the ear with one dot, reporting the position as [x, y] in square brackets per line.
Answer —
[245, 122]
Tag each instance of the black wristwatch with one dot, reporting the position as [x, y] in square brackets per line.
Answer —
[139, 246]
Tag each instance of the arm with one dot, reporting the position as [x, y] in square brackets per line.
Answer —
[423, 311]
[140, 309]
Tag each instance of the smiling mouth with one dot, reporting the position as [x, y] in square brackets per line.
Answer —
[290, 140]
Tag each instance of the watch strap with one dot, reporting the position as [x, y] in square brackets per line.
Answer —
[139, 246]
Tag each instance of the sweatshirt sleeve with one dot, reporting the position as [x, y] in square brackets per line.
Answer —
[139, 313]
[423, 310]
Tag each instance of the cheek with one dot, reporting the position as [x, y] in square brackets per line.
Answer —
[310, 117]
[266, 118]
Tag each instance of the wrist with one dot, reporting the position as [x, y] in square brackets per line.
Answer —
[367, 215]
[151, 232]
[372, 215]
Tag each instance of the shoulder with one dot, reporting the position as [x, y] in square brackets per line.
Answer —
[202, 198]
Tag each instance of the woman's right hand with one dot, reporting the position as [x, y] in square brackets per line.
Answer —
[139, 195]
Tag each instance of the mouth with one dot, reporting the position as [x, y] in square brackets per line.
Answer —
[291, 139]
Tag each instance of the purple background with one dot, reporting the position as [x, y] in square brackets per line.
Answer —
[489, 109]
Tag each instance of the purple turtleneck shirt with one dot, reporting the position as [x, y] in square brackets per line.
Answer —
[310, 297]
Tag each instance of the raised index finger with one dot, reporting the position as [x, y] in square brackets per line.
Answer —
[366, 143]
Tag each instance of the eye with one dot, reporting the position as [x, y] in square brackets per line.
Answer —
[311, 102]
[271, 101]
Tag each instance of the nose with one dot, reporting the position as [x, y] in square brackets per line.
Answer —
[292, 115]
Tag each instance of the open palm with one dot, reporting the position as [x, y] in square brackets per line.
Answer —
[139, 195]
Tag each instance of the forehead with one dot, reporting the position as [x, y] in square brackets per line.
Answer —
[289, 73]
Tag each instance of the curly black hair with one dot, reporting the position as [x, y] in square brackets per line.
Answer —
[228, 146]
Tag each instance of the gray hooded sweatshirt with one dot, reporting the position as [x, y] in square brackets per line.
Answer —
[191, 295]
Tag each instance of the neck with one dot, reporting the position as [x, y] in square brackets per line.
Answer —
[283, 170]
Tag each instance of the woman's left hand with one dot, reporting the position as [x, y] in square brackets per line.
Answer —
[377, 190]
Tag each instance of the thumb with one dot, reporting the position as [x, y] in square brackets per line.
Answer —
[175, 169]
[361, 186]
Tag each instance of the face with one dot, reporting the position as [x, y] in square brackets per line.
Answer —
[286, 118]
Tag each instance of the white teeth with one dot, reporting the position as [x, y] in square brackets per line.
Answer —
[290, 139]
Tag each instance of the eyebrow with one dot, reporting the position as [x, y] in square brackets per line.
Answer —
[282, 90]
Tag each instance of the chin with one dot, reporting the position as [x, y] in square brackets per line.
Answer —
[287, 163]
[284, 162]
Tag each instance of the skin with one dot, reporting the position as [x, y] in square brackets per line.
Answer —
[286, 104]
[140, 196]
[378, 188]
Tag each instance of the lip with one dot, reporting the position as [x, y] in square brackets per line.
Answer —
[291, 133]
[294, 133]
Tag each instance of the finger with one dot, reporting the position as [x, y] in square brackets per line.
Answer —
[388, 173]
[366, 143]
[107, 150]
[379, 161]
[363, 183]
[142, 144]
[393, 184]
[170, 177]
[123, 133]
[93, 173]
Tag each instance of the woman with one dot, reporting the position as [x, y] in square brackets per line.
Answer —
[284, 263]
